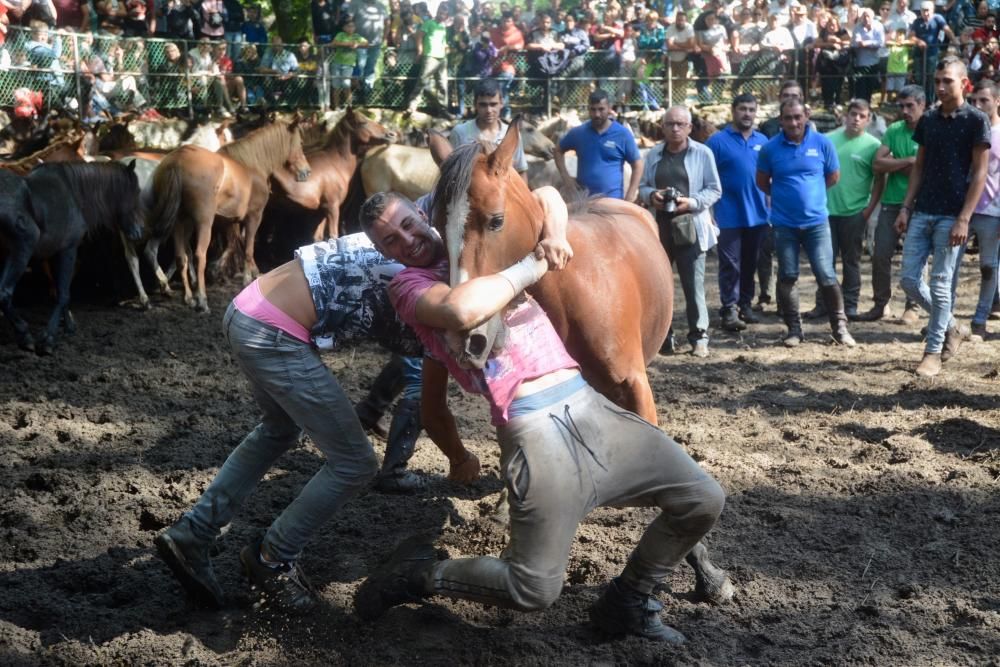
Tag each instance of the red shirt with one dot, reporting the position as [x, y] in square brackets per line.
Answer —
[513, 39]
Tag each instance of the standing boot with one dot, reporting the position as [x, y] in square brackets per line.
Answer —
[403, 433]
[386, 387]
[833, 299]
[788, 302]
[819, 310]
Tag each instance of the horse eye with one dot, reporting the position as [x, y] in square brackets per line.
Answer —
[496, 222]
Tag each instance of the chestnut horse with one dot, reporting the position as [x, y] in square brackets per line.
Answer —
[333, 167]
[192, 186]
[611, 305]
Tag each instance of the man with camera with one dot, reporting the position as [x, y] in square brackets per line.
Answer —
[680, 181]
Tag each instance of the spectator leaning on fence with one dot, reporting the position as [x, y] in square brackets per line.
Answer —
[509, 40]
[371, 22]
[346, 45]
[680, 45]
[926, 31]
[868, 38]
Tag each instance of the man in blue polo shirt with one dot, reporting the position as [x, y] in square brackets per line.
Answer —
[602, 146]
[795, 168]
[946, 182]
[741, 213]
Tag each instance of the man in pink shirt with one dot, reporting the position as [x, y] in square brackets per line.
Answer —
[564, 448]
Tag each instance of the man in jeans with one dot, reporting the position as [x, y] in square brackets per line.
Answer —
[370, 19]
[894, 158]
[432, 48]
[851, 201]
[946, 182]
[795, 168]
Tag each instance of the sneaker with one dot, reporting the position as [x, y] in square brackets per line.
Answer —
[400, 481]
[792, 339]
[929, 366]
[731, 320]
[700, 348]
[623, 611]
[910, 317]
[979, 331]
[188, 558]
[283, 585]
[398, 580]
[953, 339]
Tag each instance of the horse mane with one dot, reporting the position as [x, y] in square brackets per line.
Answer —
[99, 188]
[265, 149]
[341, 131]
[26, 164]
[456, 177]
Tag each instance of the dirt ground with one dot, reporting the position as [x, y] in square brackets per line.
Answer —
[861, 524]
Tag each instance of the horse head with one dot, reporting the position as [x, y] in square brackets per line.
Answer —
[488, 219]
[365, 132]
[296, 155]
[535, 143]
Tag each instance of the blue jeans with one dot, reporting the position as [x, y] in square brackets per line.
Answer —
[367, 61]
[295, 392]
[929, 236]
[987, 229]
[739, 249]
[506, 81]
[817, 243]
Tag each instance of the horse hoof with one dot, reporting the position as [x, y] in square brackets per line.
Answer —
[201, 307]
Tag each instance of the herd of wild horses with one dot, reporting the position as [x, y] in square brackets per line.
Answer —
[149, 198]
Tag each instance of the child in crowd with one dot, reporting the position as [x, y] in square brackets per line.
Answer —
[254, 31]
[898, 67]
[343, 62]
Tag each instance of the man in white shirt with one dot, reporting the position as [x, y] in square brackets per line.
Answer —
[487, 126]
[680, 44]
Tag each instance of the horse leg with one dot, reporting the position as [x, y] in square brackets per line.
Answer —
[64, 276]
[251, 225]
[132, 259]
[181, 260]
[639, 395]
[17, 262]
[203, 238]
[711, 583]
[152, 254]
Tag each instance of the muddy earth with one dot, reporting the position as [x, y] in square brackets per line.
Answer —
[861, 525]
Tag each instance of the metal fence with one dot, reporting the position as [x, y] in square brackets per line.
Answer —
[175, 84]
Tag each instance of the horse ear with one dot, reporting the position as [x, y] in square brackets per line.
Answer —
[439, 145]
[130, 167]
[501, 159]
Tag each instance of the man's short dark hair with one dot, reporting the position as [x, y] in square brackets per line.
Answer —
[597, 97]
[912, 92]
[744, 98]
[988, 85]
[486, 88]
[507, 15]
[858, 103]
[790, 83]
[952, 61]
[375, 206]
[790, 103]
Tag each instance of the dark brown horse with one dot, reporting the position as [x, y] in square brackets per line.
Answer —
[192, 186]
[612, 304]
[67, 148]
[333, 166]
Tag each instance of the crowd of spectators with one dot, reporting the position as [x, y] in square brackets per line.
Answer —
[836, 49]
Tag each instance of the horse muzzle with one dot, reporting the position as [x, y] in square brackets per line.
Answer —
[482, 340]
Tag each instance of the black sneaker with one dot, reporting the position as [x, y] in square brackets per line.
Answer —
[622, 611]
[747, 315]
[188, 558]
[284, 586]
[400, 481]
[398, 580]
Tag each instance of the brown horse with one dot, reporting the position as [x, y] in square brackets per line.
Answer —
[192, 186]
[612, 304]
[333, 167]
[67, 148]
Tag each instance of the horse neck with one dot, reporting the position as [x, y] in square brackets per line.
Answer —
[343, 144]
[256, 151]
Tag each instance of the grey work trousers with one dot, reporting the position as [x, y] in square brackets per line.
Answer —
[296, 392]
[559, 463]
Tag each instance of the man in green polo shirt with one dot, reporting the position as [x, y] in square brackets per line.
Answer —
[432, 49]
[851, 201]
[894, 158]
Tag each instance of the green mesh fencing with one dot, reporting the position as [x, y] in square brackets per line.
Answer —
[172, 84]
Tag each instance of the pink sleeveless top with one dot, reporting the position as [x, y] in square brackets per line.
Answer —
[251, 302]
[532, 349]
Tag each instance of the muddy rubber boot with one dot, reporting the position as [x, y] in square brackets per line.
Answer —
[788, 302]
[819, 310]
[624, 611]
[833, 300]
[387, 386]
[402, 441]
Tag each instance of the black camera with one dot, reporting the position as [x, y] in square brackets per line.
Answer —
[670, 197]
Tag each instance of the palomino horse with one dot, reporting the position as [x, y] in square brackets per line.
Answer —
[193, 185]
[333, 167]
[46, 215]
[611, 305]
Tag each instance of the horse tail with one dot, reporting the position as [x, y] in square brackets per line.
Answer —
[168, 187]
